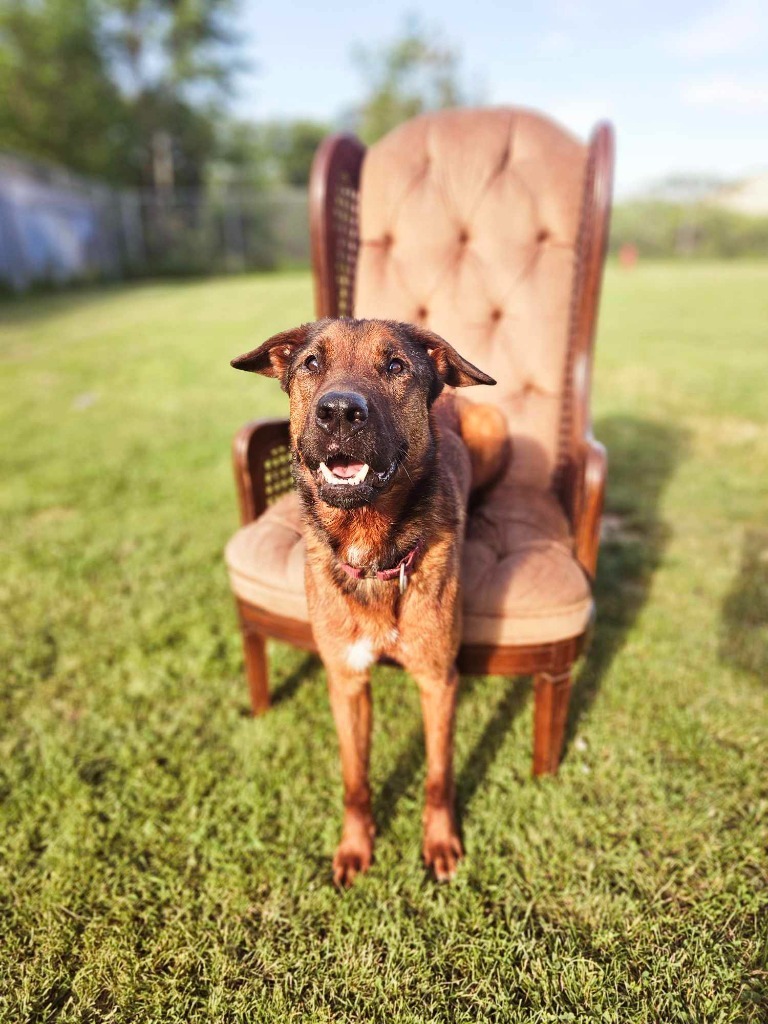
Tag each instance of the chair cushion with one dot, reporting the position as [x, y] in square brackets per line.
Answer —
[265, 560]
[522, 584]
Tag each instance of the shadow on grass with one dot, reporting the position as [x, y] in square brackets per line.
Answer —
[400, 779]
[642, 458]
[304, 669]
[287, 688]
[744, 624]
[484, 753]
[412, 759]
[643, 455]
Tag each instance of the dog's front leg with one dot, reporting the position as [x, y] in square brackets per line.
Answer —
[441, 844]
[350, 694]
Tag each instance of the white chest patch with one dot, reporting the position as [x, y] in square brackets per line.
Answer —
[360, 654]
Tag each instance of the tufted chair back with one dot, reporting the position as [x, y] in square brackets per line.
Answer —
[469, 224]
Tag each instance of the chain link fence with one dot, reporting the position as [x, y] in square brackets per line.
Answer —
[57, 228]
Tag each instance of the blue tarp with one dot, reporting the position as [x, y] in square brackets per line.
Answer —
[53, 231]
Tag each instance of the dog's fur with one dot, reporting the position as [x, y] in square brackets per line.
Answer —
[425, 452]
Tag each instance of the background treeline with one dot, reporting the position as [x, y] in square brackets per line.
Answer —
[138, 93]
[119, 152]
[122, 155]
[665, 229]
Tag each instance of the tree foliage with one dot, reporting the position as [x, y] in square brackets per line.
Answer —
[414, 73]
[268, 153]
[131, 91]
[99, 85]
[58, 101]
[289, 147]
[662, 229]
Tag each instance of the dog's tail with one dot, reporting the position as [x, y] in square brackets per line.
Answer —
[485, 433]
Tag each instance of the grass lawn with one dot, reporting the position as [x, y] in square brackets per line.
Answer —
[164, 857]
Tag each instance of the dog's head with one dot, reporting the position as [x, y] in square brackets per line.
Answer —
[360, 394]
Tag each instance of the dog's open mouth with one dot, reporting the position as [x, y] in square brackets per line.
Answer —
[343, 471]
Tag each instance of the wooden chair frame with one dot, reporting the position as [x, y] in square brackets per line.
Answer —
[261, 448]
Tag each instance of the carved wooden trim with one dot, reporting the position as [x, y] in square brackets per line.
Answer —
[580, 478]
[588, 275]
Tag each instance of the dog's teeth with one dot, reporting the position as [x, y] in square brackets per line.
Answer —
[331, 478]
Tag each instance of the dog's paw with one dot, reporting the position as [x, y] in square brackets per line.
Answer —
[443, 856]
[351, 860]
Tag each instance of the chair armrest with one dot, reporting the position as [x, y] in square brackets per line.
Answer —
[583, 498]
[261, 457]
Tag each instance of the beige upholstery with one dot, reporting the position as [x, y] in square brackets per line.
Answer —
[468, 223]
[522, 584]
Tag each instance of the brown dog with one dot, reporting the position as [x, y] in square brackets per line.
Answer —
[384, 470]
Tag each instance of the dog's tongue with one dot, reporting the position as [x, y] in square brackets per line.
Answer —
[344, 468]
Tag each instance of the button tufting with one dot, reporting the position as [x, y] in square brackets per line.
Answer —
[504, 229]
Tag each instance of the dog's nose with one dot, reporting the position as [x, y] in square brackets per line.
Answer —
[341, 412]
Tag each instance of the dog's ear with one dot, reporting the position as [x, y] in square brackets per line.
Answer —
[452, 368]
[274, 357]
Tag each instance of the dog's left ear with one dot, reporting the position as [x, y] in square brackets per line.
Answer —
[274, 357]
[452, 369]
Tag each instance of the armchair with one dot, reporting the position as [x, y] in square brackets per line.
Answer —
[489, 227]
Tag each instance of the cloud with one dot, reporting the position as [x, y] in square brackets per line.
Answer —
[727, 93]
[728, 28]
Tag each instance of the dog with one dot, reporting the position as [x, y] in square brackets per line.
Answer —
[384, 460]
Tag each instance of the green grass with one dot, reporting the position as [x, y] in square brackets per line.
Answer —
[163, 857]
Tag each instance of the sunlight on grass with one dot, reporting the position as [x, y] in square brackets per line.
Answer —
[165, 857]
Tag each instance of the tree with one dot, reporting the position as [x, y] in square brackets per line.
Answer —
[171, 45]
[289, 147]
[124, 90]
[57, 100]
[174, 59]
[412, 74]
[269, 153]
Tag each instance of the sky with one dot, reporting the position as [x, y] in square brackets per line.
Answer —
[685, 82]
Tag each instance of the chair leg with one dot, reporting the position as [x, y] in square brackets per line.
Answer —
[256, 669]
[552, 691]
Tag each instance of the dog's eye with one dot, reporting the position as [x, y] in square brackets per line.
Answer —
[395, 366]
[311, 363]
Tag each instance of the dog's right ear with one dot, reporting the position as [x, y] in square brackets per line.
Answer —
[274, 357]
[450, 367]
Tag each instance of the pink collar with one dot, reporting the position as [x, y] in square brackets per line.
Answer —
[403, 570]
